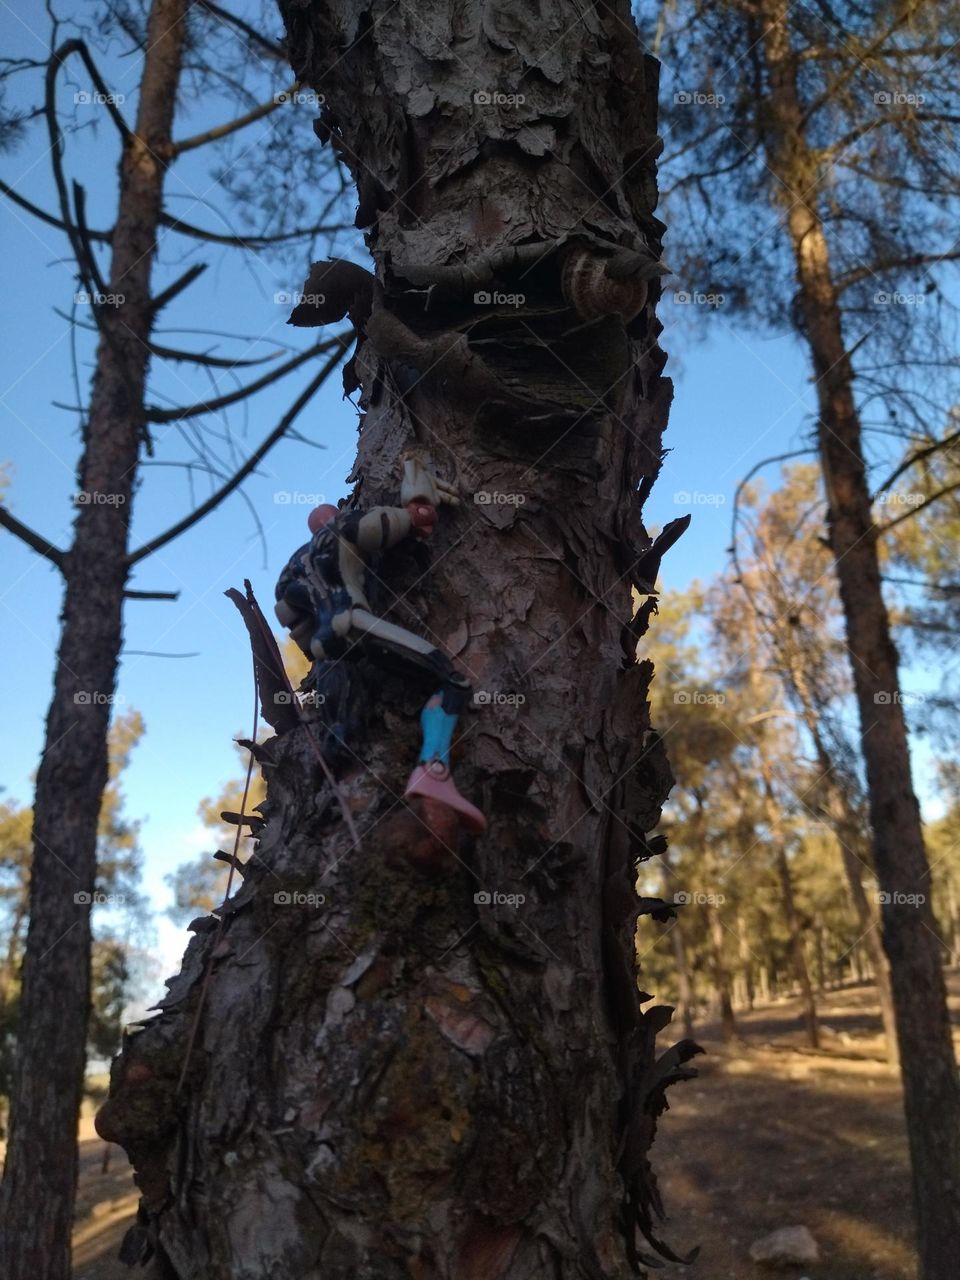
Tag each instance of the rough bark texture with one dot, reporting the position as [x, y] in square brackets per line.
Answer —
[36, 1201]
[412, 1080]
[931, 1088]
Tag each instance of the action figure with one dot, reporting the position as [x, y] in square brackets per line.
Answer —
[322, 601]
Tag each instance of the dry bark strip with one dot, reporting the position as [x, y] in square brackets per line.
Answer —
[399, 1074]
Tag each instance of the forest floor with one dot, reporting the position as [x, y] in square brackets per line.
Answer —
[773, 1134]
[770, 1134]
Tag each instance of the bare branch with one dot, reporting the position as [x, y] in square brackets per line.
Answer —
[921, 506]
[131, 594]
[153, 653]
[852, 67]
[202, 358]
[232, 126]
[178, 286]
[34, 540]
[950, 590]
[103, 237]
[895, 264]
[154, 414]
[185, 357]
[109, 99]
[252, 242]
[231, 19]
[912, 459]
[80, 209]
[256, 457]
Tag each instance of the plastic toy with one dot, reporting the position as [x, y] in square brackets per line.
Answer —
[322, 601]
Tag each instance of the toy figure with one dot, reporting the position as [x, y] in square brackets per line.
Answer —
[322, 601]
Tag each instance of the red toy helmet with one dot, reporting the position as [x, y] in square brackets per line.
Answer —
[320, 516]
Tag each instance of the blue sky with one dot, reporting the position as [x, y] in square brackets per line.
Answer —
[739, 398]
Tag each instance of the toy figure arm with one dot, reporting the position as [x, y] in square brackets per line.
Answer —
[421, 485]
[379, 528]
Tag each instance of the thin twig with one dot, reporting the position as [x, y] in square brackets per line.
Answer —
[215, 499]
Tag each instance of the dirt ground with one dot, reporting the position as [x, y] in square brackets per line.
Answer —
[770, 1135]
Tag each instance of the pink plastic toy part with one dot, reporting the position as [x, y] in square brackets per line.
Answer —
[320, 516]
[432, 781]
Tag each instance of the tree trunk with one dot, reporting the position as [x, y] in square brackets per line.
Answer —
[764, 984]
[37, 1196]
[447, 1074]
[11, 961]
[798, 957]
[821, 964]
[687, 998]
[745, 955]
[800, 970]
[931, 1088]
[715, 928]
[953, 911]
[873, 943]
[721, 976]
[840, 812]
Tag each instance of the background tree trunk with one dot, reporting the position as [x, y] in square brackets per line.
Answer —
[418, 1076]
[794, 932]
[840, 811]
[48, 1085]
[931, 1087]
[797, 953]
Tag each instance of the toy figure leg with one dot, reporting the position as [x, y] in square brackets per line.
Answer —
[431, 778]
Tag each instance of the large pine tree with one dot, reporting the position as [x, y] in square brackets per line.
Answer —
[423, 1053]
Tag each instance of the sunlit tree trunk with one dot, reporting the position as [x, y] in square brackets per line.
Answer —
[39, 1185]
[746, 959]
[931, 1088]
[801, 972]
[442, 1069]
[715, 929]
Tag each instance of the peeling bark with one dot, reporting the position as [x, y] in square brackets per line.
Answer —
[413, 1078]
